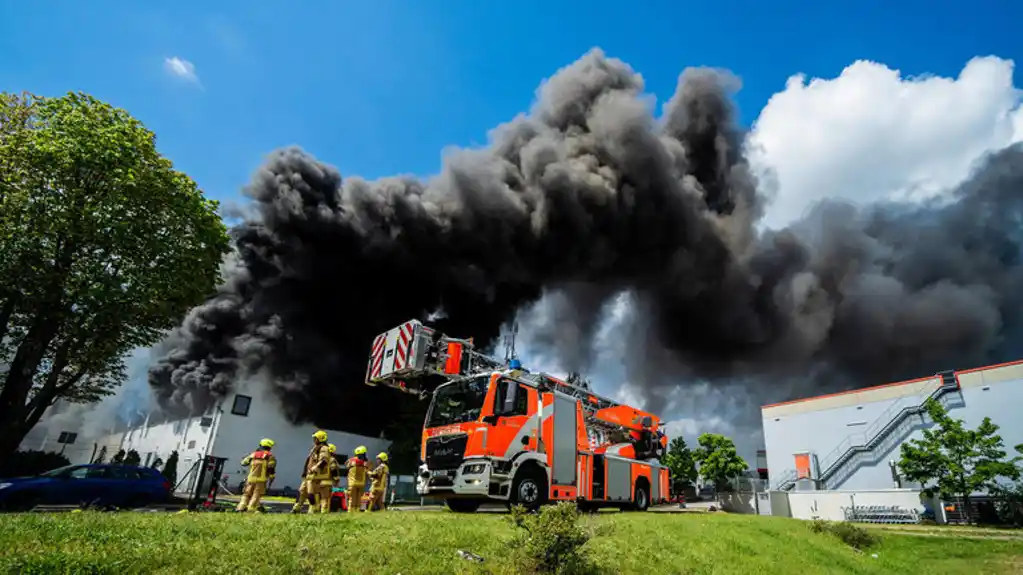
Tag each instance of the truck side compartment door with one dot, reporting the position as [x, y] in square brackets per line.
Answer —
[511, 408]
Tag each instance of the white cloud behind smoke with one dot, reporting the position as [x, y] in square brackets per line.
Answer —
[868, 134]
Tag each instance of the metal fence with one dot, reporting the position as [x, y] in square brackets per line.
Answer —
[881, 514]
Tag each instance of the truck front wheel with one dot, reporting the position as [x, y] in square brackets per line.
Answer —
[642, 501]
[529, 489]
[463, 505]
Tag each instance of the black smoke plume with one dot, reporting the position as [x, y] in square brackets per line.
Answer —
[587, 196]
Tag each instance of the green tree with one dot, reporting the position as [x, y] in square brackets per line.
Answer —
[132, 458]
[718, 460]
[954, 461]
[681, 465]
[103, 246]
[118, 457]
[170, 468]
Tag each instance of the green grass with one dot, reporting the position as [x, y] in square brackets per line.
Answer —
[426, 542]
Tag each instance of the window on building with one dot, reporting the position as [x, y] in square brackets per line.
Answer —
[241, 405]
[191, 444]
[67, 437]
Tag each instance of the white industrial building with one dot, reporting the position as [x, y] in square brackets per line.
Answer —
[850, 441]
[231, 429]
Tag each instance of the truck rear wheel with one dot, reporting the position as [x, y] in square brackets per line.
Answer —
[463, 505]
[529, 489]
[642, 499]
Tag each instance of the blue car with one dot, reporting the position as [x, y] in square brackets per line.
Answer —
[99, 484]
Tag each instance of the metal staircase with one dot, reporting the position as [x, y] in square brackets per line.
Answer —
[873, 435]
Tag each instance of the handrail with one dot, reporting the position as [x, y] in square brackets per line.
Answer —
[889, 420]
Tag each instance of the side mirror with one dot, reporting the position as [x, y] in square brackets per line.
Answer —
[490, 419]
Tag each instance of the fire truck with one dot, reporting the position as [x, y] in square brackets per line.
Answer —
[495, 432]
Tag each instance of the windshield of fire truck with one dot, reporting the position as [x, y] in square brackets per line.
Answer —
[458, 402]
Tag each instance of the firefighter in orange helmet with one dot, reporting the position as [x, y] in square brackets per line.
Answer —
[378, 489]
[315, 470]
[356, 466]
[262, 469]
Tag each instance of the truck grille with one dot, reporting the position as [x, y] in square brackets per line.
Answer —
[446, 451]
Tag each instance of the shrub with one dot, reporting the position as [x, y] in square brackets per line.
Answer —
[132, 458]
[850, 534]
[170, 468]
[551, 541]
[32, 462]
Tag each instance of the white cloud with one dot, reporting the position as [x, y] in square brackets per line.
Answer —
[867, 134]
[181, 68]
[871, 133]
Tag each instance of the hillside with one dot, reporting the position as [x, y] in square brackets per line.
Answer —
[427, 542]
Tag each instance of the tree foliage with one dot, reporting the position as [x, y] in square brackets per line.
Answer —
[103, 246]
[681, 465]
[101, 456]
[718, 460]
[118, 457]
[132, 458]
[32, 462]
[954, 461]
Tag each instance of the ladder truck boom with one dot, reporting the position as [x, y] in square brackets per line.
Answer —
[413, 356]
[497, 432]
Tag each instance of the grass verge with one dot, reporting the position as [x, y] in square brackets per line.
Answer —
[428, 542]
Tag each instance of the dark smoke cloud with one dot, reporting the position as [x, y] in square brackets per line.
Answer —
[586, 197]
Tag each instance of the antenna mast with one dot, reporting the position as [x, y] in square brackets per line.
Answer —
[509, 344]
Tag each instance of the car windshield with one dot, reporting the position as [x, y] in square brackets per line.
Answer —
[59, 471]
[458, 402]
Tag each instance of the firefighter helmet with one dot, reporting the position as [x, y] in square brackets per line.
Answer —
[360, 450]
[320, 436]
[382, 456]
[332, 448]
[267, 443]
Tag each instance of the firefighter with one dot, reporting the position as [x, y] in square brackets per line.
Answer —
[378, 488]
[328, 485]
[315, 470]
[356, 466]
[262, 469]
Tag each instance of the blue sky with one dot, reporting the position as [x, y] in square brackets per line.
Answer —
[382, 87]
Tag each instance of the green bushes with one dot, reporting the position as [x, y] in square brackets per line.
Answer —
[850, 534]
[552, 540]
[32, 462]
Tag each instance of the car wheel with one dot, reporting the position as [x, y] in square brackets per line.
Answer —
[529, 489]
[463, 505]
[23, 501]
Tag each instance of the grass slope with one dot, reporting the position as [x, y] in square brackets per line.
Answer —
[427, 542]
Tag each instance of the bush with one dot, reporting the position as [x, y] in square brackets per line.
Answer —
[132, 458]
[170, 468]
[32, 462]
[551, 541]
[852, 535]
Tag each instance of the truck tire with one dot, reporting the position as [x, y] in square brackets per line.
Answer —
[463, 505]
[641, 502]
[529, 489]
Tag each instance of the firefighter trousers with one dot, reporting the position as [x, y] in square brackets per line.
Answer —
[376, 501]
[253, 494]
[355, 497]
[324, 490]
[306, 494]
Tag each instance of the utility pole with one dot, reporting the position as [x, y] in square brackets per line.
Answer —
[509, 344]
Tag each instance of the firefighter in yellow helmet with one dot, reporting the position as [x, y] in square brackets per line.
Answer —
[335, 479]
[378, 489]
[314, 471]
[262, 469]
[356, 466]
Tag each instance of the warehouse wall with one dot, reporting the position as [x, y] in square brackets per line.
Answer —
[820, 425]
[190, 437]
[237, 435]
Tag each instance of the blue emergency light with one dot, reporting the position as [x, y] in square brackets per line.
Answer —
[515, 364]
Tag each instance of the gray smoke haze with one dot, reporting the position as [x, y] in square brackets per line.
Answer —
[586, 197]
